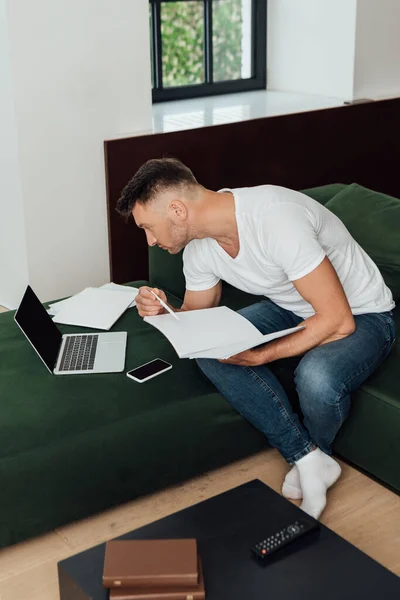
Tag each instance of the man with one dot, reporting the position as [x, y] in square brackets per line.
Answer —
[281, 244]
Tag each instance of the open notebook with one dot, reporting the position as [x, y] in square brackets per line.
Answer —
[212, 332]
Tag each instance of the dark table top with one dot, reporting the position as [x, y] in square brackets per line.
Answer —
[319, 566]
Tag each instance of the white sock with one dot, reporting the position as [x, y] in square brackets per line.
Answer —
[291, 486]
[318, 472]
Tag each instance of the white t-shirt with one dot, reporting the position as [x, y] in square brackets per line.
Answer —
[284, 235]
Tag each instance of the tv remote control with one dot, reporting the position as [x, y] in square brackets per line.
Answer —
[283, 537]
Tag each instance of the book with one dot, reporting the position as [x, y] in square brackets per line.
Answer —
[174, 593]
[212, 332]
[151, 563]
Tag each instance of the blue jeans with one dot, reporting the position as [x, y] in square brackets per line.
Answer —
[325, 377]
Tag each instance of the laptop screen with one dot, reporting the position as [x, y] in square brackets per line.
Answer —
[39, 328]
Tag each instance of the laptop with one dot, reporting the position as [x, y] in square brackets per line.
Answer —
[69, 354]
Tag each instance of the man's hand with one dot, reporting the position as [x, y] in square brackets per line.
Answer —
[248, 358]
[147, 305]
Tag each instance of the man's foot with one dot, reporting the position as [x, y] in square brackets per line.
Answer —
[318, 472]
[291, 486]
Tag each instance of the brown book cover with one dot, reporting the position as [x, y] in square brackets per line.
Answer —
[150, 563]
[174, 593]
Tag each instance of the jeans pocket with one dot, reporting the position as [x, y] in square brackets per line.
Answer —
[390, 332]
[386, 323]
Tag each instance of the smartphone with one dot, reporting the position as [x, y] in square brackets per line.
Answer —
[149, 370]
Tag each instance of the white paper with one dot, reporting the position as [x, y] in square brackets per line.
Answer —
[227, 352]
[55, 307]
[121, 288]
[95, 308]
[211, 333]
[203, 329]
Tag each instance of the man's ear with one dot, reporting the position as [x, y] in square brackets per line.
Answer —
[177, 210]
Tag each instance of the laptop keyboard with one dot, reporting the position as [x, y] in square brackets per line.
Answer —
[79, 353]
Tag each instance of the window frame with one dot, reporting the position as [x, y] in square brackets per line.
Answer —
[258, 81]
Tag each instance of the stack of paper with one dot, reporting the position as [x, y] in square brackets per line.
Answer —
[212, 332]
[55, 307]
[97, 308]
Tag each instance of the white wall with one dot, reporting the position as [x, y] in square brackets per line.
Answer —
[311, 46]
[347, 49]
[13, 264]
[81, 73]
[377, 57]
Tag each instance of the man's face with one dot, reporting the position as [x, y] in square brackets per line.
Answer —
[163, 227]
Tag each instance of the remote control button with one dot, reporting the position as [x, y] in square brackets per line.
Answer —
[293, 529]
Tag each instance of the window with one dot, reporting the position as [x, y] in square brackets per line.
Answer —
[204, 47]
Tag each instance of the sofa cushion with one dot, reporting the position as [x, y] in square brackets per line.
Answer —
[166, 270]
[373, 219]
[324, 193]
[370, 437]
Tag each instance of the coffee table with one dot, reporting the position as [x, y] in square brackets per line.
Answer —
[319, 566]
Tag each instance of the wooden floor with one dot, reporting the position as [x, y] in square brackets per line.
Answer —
[359, 509]
[2, 309]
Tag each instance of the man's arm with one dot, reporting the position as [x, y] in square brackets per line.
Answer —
[148, 306]
[332, 321]
[203, 299]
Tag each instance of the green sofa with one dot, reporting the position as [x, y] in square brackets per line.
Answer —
[73, 446]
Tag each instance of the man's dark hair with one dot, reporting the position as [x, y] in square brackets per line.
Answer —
[156, 175]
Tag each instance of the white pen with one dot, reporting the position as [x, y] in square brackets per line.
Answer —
[171, 312]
